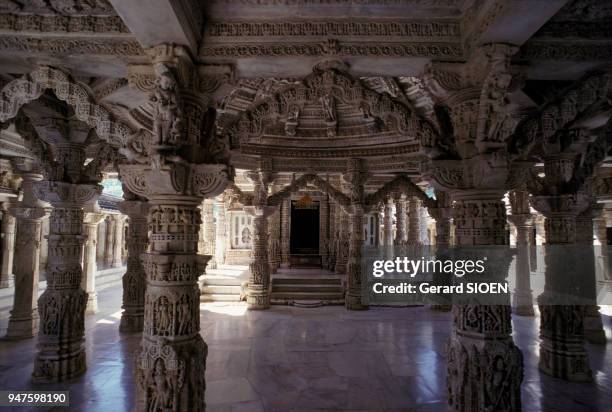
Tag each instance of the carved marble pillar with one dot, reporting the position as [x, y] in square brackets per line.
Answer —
[90, 268]
[134, 279]
[562, 352]
[388, 223]
[258, 296]
[209, 232]
[521, 219]
[593, 326]
[109, 244]
[414, 221]
[342, 253]
[8, 247]
[331, 260]
[61, 307]
[286, 234]
[442, 214]
[118, 242]
[601, 249]
[29, 213]
[400, 220]
[324, 232]
[485, 367]
[274, 241]
[220, 233]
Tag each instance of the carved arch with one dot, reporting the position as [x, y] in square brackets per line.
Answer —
[547, 123]
[30, 87]
[302, 182]
[400, 184]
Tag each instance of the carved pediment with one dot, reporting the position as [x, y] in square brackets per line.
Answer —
[329, 110]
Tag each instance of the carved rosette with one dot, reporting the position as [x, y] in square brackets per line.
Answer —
[134, 279]
[62, 306]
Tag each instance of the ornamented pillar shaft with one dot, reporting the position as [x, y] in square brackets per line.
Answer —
[61, 307]
[29, 213]
[521, 218]
[601, 249]
[184, 162]
[443, 216]
[258, 296]
[331, 260]
[414, 219]
[388, 223]
[220, 233]
[134, 279]
[562, 352]
[400, 220]
[274, 255]
[485, 367]
[355, 178]
[342, 253]
[8, 248]
[593, 326]
[109, 244]
[209, 232]
[286, 234]
[324, 232]
[118, 243]
[90, 267]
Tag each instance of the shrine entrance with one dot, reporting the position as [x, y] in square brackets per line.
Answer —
[304, 241]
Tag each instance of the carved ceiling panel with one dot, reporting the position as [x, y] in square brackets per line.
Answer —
[58, 7]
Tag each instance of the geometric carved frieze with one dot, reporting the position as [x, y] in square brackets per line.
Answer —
[69, 45]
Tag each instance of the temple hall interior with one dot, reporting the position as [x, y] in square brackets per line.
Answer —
[190, 192]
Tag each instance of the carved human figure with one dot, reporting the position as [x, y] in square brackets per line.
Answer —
[167, 115]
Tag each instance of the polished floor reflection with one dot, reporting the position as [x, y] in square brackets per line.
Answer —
[298, 359]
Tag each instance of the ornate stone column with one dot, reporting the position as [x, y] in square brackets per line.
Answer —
[521, 218]
[90, 267]
[388, 223]
[220, 232]
[183, 163]
[134, 279]
[209, 232]
[481, 348]
[109, 244]
[442, 214]
[342, 253]
[324, 231]
[29, 213]
[258, 296]
[118, 243]
[8, 247]
[414, 220]
[400, 220]
[593, 326]
[62, 306]
[331, 260]
[601, 249]
[355, 178]
[286, 233]
[274, 240]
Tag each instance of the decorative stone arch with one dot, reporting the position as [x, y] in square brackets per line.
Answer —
[31, 86]
[300, 183]
[376, 116]
[400, 184]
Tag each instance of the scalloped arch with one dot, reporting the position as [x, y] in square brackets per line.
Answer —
[31, 86]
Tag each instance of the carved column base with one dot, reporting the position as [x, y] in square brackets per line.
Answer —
[522, 303]
[7, 282]
[258, 299]
[352, 301]
[593, 327]
[483, 375]
[562, 353]
[61, 353]
[170, 375]
[92, 303]
[131, 323]
[23, 325]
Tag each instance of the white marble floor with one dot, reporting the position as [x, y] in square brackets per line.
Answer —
[297, 359]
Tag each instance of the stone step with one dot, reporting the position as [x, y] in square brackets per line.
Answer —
[307, 288]
[294, 296]
[221, 281]
[219, 298]
[306, 281]
[221, 290]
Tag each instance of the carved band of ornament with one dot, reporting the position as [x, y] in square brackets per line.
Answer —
[568, 204]
[61, 192]
[29, 213]
[415, 28]
[539, 50]
[62, 24]
[31, 86]
[96, 46]
[335, 48]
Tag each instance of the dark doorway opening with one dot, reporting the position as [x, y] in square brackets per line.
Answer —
[304, 227]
